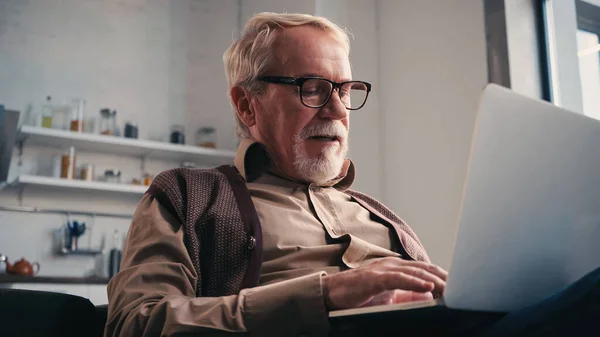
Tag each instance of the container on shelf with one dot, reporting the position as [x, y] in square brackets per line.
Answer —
[89, 126]
[3, 263]
[112, 176]
[77, 115]
[67, 163]
[114, 262]
[206, 137]
[57, 166]
[47, 113]
[61, 116]
[108, 122]
[84, 143]
[147, 177]
[131, 130]
[177, 134]
[87, 172]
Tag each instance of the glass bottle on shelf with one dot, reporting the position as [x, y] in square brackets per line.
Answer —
[114, 264]
[206, 137]
[108, 122]
[147, 179]
[67, 164]
[47, 113]
[61, 116]
[77, 115]
[89, 126]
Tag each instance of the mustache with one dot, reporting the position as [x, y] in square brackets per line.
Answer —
[330, 129]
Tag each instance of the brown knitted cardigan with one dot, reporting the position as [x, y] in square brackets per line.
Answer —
[222, 232]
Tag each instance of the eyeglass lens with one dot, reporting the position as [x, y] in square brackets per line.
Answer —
[316, 92]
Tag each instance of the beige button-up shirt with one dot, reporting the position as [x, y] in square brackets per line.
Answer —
[311, 228]
[308, 231]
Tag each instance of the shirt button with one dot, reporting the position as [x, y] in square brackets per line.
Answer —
[251, 243]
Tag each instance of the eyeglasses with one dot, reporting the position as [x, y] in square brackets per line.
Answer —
[315, 92]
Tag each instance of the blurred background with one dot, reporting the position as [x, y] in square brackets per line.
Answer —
[112, 92]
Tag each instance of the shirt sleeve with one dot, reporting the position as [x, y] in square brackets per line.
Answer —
[154, 294]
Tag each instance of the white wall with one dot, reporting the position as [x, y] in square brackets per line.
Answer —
[157, 62]
[432, 67]
[250, 7]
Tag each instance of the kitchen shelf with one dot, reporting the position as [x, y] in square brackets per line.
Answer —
[24, 180]
[81, 252]
[33, 135]
[7, 278]
[64, 211]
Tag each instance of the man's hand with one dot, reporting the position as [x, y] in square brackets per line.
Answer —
[398, 296]
[386, 281]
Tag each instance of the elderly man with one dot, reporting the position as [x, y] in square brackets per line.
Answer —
[270, 245]
[275, 242]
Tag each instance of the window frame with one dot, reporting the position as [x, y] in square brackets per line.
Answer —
[560, 27]
[588, 20]
[588, 17]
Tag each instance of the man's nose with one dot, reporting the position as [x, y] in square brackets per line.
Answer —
[334, 109]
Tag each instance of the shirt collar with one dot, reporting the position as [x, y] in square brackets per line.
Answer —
[252, 159]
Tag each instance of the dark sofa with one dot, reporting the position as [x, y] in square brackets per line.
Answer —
[25, 313]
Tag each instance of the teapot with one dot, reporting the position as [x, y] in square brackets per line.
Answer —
[22, 267]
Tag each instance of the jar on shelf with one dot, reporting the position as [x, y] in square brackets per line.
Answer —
[206, 137]
[177, 134]
[108, 122]
[147, 179]
[112, 176]
[77, 115]
[87, 172]
[131, 130]
[89, 126]
[61, 116]
[67, 164]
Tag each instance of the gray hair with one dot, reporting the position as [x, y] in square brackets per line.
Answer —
[250, 55]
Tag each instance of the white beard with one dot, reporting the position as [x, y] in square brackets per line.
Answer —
[328, 164]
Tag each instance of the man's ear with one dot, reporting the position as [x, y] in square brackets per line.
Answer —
[241, 102]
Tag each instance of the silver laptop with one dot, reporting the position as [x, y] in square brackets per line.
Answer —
[529, 223]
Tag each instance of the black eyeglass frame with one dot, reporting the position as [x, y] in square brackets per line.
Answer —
[299, 81]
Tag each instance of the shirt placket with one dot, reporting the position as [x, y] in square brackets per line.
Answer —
[327, 215]
[325, 212]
